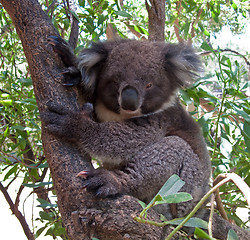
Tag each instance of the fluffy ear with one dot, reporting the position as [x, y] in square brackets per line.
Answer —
[181, 63]
[90, 61]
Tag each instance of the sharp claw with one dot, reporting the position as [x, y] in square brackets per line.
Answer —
[68, 84]
[83, 174]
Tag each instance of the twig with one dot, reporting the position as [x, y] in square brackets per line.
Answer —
[226, 50]
[137, 34]
[176, 22]
[210, 220]
[111, 32]
[220, 205]
[238, 181]
[18, 196]
[17, 213]
[74, 32]
[21, 162]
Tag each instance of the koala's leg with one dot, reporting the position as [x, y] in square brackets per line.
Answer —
[146, 172]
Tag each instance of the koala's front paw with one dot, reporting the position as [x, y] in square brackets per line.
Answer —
[62, 122]
[59, 45]
[72, 76]
[101, 182]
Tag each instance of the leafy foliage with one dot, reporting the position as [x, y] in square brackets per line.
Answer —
[219, 99]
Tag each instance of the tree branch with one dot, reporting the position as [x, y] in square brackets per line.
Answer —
[156, 19]
[17, 213]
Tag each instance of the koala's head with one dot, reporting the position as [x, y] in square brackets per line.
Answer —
[129, 78]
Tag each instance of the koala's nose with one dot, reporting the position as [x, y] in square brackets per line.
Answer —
[129, 99]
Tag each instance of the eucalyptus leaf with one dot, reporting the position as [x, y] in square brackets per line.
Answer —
[200, 234]
[232, 235]
[172, 186]
[192, 222]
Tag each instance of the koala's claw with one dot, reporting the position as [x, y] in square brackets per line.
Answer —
[83, 174]
[61, 47]
[101, 182]
[72, 76]
[58, 44]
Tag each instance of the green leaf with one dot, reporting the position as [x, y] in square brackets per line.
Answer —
[39, 231]
[206, 32]
[200, 234]
[6, 102]
[19, 127]
[242, 113]
[46, 216]
[178, 197]
[246, 129]
[123, 14]
[192, 222]
[4, 95]
[25, 81]
[206, 47]
[34, 173]
[10, 172]
[6, 132]
[172, 186]
[36, 185]
[232, 235]
[81, 3]
[143, 204]
[174, 198]
[185, 96]
[235, 7]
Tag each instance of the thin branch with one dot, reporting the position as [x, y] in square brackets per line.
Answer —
[210, 220]
[238, 181]
[51, 6]
[226, 50]
[176, 22]
[111, 32]
[137, 34]
[21, 162]
[18, 196]
[74, 32]
[194, 23]
[17, 213]
[220, 205]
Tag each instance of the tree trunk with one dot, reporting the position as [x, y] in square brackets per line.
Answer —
[156, 19]
[83, 216]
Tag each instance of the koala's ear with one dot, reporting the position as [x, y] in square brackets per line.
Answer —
[90, 61]
[181, 63]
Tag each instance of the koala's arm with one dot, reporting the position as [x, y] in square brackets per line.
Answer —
[112, 141]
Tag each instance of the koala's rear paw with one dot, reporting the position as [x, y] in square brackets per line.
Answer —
[101, 182]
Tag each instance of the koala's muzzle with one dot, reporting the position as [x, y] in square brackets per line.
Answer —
[129, 99]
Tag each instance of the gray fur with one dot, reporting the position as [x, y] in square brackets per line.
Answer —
[140, 149]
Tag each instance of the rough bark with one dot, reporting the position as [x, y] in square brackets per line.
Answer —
[83, 216]
[156, 19]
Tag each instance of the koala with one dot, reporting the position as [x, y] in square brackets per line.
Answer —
[139, 131]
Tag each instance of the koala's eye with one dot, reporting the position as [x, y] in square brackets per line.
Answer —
[149, 85]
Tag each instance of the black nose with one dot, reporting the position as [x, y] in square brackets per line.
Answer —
[129, 99]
